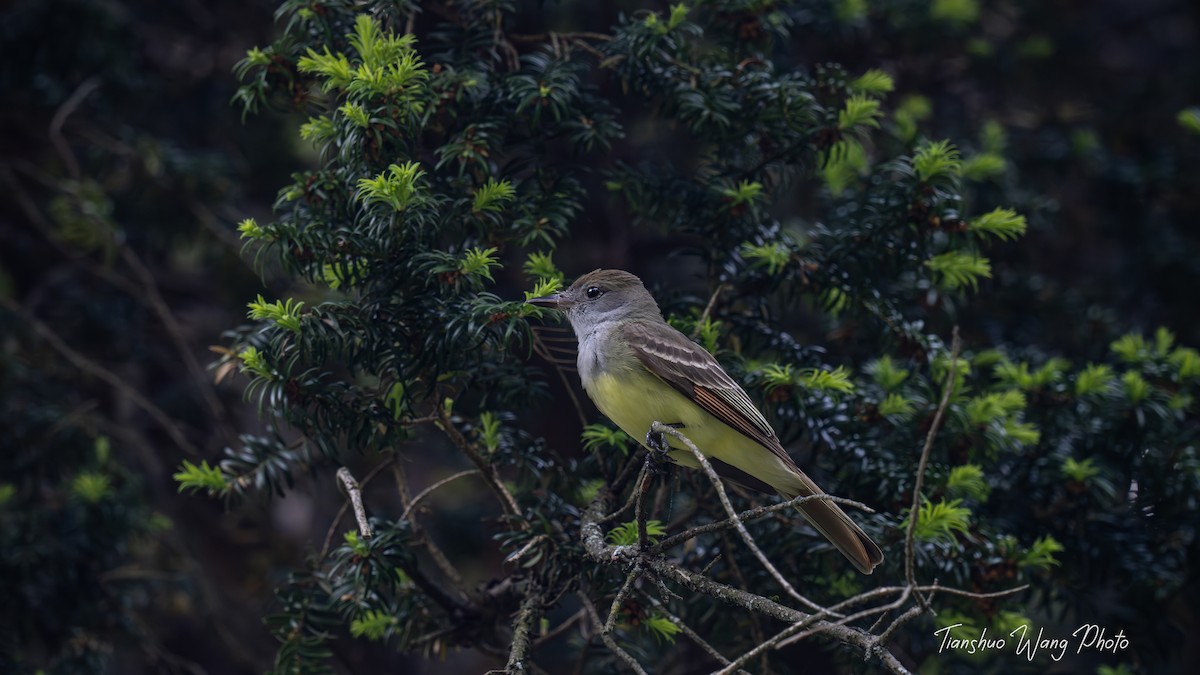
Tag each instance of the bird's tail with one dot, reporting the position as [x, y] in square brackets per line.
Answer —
[831, 521]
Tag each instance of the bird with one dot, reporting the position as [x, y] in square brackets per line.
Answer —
[638, 369]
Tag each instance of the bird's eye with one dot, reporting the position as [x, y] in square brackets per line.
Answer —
[594, 292]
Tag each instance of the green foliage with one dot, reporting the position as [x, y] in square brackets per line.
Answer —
[896, 404]
[939, 521]
[490, 143]
[663, 629]
[626, 534]
[373, 624]
[859, 111]
[540, 265]
[1189, 118]
[996, 405]
[985, 166]
[201, 477]
[398, 187]
[873, 81]
[886, 373]
[911, 111]
[91, 487]
[774, 256]
[1094, 379]
[489, 431]
[479, 263]
[544, 287]
[1018, 374]
[1135, 386]
[597, 437]
[255, 362]
[1002, 223]
[492, 195]
[286, 315]
[1187, 362]
[1080, 471]
[849, 11]
[744, 193]
[956, 269]
[249, 229]
[968, 480]
[1041, 554]
[936, 161]
[955, 11]
[844, 168]
[836, 381]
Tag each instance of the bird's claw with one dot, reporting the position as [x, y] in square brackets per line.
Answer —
[656, 442]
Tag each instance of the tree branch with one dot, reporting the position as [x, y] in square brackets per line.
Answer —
[947, 390]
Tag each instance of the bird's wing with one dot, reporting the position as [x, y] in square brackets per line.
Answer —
[692, 371]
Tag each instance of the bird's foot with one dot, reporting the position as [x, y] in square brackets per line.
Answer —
[656, 441]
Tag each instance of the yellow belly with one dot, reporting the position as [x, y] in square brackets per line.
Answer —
[635, 399]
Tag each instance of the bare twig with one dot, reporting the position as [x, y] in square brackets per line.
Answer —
[560, 628]
[610, 623]
[159, 305]
[490, 475]
[543, 350]
[947, 390]
[412, 505]
[337, 519]
[100, 372]
[608, 640]
[60, 118]
[409, 503]
[639, 509]
[593, 542]
[689, 633]
[752, 514]
[660, 428]
[712, 302]
[355, 493]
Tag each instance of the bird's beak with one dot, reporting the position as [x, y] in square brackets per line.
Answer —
[553, 301]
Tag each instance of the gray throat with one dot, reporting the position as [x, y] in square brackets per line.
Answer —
[594, 344]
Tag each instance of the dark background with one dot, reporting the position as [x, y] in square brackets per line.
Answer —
[125, 168]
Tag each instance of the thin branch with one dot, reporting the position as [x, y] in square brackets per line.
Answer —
[619, 599]
[752, 514]
[687, 631]
[337, 519]
[760, 649]
[100, 372]
[419, 532]
[712, 302]
[412, 505]
[909, 574]
[607, 639]
[560, 628]
[593, 542]
[639, 509]
[60, 118]
[576, 35]
[159, 305]
[542, 349]
[490, 475]
[660, 428]
[355, 492]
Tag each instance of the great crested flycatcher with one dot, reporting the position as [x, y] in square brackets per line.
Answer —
[638, 370]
